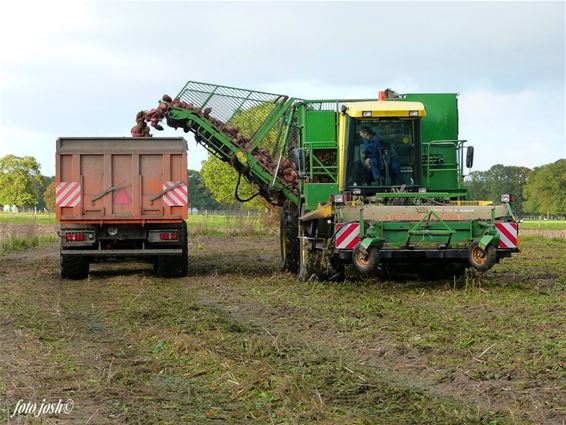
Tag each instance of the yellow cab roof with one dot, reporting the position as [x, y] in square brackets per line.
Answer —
[385, 108]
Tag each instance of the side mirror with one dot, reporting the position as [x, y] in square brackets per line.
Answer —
[299, 158]
[470, 157]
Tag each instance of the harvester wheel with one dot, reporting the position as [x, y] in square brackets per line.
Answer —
[288, 238]
[307, 267]
[366, 262]
[74, 267]
[481, 259]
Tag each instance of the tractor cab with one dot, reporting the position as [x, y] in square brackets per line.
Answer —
[381, 146]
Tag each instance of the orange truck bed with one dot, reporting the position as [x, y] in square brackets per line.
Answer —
[121, 180]
[122, 198]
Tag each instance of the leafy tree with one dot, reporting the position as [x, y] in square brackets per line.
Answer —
[489, 185]
[19, 179]
[49, 196]
[545, 192]
[220, 178]
[40, 188]
[199, 196]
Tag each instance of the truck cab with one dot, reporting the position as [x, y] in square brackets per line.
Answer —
[380, 143]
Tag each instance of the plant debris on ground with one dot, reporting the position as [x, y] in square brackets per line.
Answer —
[236, 342]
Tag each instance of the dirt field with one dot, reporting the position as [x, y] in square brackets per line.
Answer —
[235, 342]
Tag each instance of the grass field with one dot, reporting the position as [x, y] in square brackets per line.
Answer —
[27, 218]
[21, 243]
[543, 225]
[198, 224]
[237, 342]
[219, 224]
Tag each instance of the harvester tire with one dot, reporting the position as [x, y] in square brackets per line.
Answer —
[307, 266]
[288, 238]
[366, 262]
[481, 259]
[74, 267]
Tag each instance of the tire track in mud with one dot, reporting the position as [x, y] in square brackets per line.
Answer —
[65, 339]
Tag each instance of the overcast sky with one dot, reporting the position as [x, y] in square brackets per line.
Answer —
[85, 69]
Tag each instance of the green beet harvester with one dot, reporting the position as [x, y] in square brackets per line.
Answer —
[405, 209]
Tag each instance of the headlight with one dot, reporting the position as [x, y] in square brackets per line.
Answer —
[112, 230]
[413, 113]
[507, 197]
[366, 114]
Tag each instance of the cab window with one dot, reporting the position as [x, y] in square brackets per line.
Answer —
[382, 152]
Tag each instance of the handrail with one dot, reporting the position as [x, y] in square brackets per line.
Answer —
[459, 158]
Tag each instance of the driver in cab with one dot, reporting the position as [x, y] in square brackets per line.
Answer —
[371, 145]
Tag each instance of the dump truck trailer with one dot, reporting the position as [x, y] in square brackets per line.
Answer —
[122, 198]
[377, 183]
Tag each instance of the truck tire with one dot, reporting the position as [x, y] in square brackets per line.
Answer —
[74, 267]
[171, 265]
[174, 265]
[289, 238]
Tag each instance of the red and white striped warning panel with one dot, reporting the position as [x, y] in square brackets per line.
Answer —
[508, 234]
[68, 194]
[177, 195]
[347, 235]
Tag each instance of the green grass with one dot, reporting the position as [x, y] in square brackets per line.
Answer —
[237, 342]
[199, 224]
[543, 225]
[12, 244]
[27, 218]
[228, 225]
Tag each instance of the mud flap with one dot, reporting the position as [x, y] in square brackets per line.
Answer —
[367, 243]
[487, 240]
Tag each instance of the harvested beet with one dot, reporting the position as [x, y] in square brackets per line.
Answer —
[286, 169]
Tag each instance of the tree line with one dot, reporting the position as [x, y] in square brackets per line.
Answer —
[23, 185]
[541, 190]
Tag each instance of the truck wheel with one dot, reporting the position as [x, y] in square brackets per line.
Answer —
[481, 259]
[184, 262]
[74, 267]
[174, 265]
[366, 262]
[288, 237]
[171, 265]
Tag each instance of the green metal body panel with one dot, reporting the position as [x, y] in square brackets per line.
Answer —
[315, 193]
[441, 163]
[320, 126]
[319, 142]
[429, 232]
[436, 234]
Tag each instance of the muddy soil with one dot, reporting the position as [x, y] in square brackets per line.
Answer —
[124, 344]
